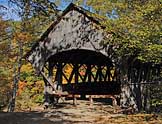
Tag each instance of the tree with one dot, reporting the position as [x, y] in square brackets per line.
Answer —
[136, 25]
[35, 15]
[5, 66]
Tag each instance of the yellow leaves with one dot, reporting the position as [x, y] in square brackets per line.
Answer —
[39, 83]
[22, 37]
[67, 71]
[26, 68]
[152, 53]
[68, 68]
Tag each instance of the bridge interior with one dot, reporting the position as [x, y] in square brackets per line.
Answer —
[79, 71]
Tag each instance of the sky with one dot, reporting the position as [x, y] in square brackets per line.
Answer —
[12, 15]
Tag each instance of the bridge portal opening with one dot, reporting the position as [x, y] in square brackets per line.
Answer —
[82, 72]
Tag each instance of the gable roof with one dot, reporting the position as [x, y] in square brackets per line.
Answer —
[95, 18]
[89, 15]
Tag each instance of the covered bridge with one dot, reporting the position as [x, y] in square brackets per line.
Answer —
[72, 57]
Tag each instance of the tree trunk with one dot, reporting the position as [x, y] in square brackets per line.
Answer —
[16, 78]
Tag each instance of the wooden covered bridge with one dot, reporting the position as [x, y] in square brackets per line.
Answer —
[73, 58]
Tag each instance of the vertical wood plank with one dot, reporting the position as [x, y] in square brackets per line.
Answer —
[89, 73]
[76, 68]
[59, 73]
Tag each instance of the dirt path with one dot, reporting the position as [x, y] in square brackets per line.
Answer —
[83, 113]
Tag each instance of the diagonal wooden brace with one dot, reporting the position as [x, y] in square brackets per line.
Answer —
[48, 81]
[51, 84]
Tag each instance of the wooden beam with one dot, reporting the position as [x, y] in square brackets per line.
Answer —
[72, 74]
[100, 73]
[82, 78]
[89, 73]
[50, 71]
[49, 81]
[65, 77]
[76, 68]
[45, 77]
[59, 74]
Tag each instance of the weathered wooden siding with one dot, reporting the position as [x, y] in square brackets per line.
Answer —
[74, 31]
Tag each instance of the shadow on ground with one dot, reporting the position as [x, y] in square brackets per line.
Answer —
[34, 117]
[83, 113]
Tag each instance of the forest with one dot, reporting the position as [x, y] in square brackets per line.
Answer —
[136, 26]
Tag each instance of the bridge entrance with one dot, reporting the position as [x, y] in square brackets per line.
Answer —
[81, 72]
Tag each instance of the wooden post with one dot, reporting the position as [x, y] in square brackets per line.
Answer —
[48, 85]
[90, 100]
[59, 74]
[50, 75]
[89, 73]
[76, 72]
[74, 100]
[114, 102]
[100, 73]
